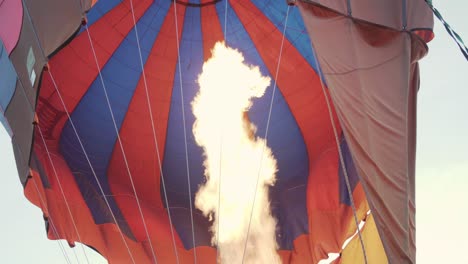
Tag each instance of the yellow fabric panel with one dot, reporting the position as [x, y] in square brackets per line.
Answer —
[352, 254]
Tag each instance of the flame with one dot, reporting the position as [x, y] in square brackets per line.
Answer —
[231, 150]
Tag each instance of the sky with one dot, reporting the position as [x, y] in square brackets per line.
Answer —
[441, 166]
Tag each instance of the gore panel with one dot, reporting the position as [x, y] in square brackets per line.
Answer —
[138, 141]
[309, 200]
[288, 195]
[191, 61]
[96, 131]
[107, 35]
[211, 29]
[296, 33]
[99, 10]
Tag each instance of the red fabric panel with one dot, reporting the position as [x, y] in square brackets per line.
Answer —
[102, 237]
[105, 238]
[138, 143]
[107, 33]
[300, 254]
[426, 35]
[297, 80]
[35, 195]
[211, 30]
[330, 222]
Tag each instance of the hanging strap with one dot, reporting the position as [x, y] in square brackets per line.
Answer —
[449, 29]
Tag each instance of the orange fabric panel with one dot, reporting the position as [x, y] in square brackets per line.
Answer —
[331, 222]
[105, 238]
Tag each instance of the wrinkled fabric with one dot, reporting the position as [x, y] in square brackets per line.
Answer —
[373, 77]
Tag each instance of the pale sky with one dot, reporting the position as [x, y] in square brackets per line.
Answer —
[441, 166]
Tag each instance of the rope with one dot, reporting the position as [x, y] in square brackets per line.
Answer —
[225, 20]
[104, 196]
[54, 230]
[121, 146]
[266, 131]
[76, 255]
[33, 110]
[218, 249]
[452, 33]
[185, 130]
[155, 139]
[343, 165]
[62, 192]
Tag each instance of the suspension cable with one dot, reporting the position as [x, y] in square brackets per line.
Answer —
[218, 248]
[24, 93]
[185, 129]
[121, 145]
[225, 20]
[76, 132]
[155, 139]
[266, 132]
[62, 192]
[343, 165]
[454, 35]
[104, 196]
[54, 230]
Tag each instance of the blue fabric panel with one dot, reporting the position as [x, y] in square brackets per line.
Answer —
[93, 120]
[174, 168]
[7, 85]
[98, 10]
[351, 171]
[183, 225]
[296, 32]
[7, 78]
[290, 209]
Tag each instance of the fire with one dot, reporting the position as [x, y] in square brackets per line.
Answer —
[234, 155]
